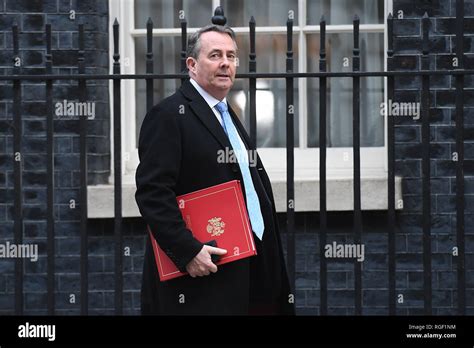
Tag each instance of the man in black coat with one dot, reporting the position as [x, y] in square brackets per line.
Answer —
[180, 141]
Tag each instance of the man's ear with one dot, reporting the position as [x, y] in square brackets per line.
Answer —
[191, 64]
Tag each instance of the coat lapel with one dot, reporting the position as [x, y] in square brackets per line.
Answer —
[240, 128]
[205, 114]
[207, 117]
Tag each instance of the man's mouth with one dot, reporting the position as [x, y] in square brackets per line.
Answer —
[223, 75]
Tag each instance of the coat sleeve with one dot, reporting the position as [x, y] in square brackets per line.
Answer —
[159, 151]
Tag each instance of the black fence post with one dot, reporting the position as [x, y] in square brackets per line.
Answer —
[392, 303]
[17, 170]
[356, 156]
[323, 307]
[252, 86]
[184, 46]
[426, 171]
[149, 64]
[290, 165]
[460, 203]
[83, 178]
[117, 176]
[50, 174]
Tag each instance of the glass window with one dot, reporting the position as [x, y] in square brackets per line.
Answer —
[166, 59]
[342, 11]
[266, 13]
[165, 13]
[271, 93]
[271, 57]
[339, 100]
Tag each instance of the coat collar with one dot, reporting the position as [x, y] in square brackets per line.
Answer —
[202, 110]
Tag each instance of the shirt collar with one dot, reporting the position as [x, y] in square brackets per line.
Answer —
[210, 100]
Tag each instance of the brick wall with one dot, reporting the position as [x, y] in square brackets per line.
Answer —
[407, 45]
[340, 271]
[409, 246]
[31, 17]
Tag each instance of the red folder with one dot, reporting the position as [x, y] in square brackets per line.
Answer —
[214, 213]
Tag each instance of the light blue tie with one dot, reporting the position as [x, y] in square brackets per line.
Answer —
[253, 204]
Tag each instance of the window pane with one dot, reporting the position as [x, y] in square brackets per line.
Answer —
[343, 11]
[165, 60]
[271, 93]
[165, 13]
[265, 12]
[339, 101]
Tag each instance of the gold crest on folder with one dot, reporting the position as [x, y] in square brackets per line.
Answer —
[216, 226]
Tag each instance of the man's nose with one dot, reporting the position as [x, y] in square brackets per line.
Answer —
[225, 62]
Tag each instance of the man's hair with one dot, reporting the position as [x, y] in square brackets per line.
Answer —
[194, 42]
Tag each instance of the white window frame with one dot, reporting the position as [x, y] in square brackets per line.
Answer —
[339, 160]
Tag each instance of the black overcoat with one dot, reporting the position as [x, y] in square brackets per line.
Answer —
[179, 145]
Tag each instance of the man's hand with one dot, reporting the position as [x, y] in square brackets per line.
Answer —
[202, 265]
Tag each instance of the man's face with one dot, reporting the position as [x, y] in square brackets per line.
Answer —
[214, 70]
